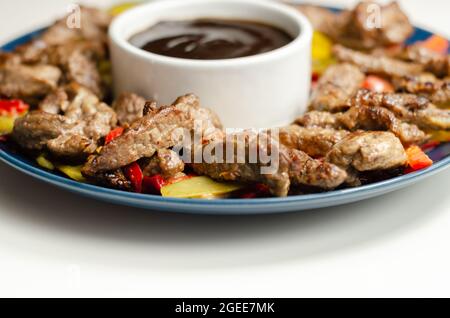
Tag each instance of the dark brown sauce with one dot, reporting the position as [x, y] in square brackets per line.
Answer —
[210, 39]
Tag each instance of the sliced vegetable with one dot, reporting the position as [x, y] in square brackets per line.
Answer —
[153, 184]
[73, 172]
[13, 107]
[440, 135]
[437, 44]
[430, 145]
[45, 163]
[198, 187]
[113, 134]
[134, 173]
[121, 8]
[6, 125]
[417, 159]
[377, 84]
[321, 53]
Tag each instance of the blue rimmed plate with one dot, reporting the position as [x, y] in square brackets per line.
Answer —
[440, 155]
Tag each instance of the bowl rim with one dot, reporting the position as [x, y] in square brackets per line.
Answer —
[301, 41]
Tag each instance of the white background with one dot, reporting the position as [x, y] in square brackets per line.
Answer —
[54, 243]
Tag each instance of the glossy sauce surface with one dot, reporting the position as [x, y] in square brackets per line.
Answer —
[210, 39]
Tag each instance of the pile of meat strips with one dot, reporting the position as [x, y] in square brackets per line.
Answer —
[349, 136]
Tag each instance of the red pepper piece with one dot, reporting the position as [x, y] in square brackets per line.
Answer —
[377, 84]
[13, 107]
[113, 134]
[430, 145]
[134, 173]
[153, 184]
[417, 159]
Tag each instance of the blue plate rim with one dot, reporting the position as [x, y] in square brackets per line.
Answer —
[54, 179]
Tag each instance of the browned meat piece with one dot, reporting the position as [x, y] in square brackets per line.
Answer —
[55, 102]
[27, 82]
[318, 119]
[73, 135]
[368, 151]
[113, 179]
[129, 107]
[433, 62]
[285, 165]
[85, 107]
[324, 20]
[314, 141]
[379, 118]
[165, 162]
[34, 130]
[72, 146]
[338, 84]
[362, 28]
[427, 85]
[377, 64]
[304, 170]
[409, 107]
[94, 24]
[161, 128]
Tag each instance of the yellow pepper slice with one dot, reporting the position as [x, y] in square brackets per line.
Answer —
[45, 163]
[321, 46]
[121, 8]
[198, 187]
[73, 172]
[6, 124]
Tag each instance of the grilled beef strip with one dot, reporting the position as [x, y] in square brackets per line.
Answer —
[427, 85]
[112, 179]
[412, 108]
[165, 162]
[314, 141]
[357, 28]
[159, 129]
[339, 83]
[381, 65]
[433, 62]
[70, 134]
[30, 83]
[319, 119]
[292, 167]
[368, 151]
[129, 107]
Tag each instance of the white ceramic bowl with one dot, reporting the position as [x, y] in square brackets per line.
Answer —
[260, 91]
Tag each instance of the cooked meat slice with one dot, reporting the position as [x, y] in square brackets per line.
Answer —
[285, 166]
[427, 85]
[28, 82]
[129, 107]
[32, 52]
[368, 151]
[112, 179]
[338, 84]
[34, 130]
[72, 146]
[377, 64]
[56, 102]
[409, 107]
[94, 24]
[161, 128]
[379, 118]
[324, 20]
[318, 119]
[238, 165]
[438, 64]
[314, 141]
[165, 162]
[304, 170]
[359, 28]
[98, 118]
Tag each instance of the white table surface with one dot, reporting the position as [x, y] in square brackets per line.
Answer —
[53, 243]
